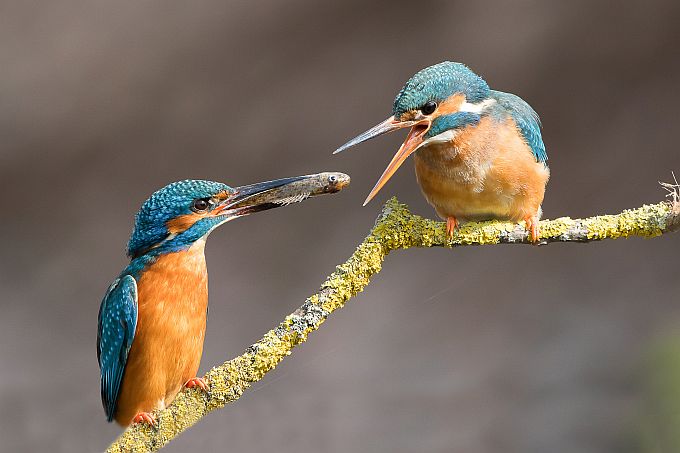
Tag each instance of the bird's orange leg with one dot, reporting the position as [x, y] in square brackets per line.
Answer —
[451, 225]
[144, 417]
[532, 227]
[197, 382]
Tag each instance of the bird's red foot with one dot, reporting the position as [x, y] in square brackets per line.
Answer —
[532, 227]
[197, 382]
[144, 417]
[451, 226]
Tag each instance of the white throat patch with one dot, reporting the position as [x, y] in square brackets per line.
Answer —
[444, 137]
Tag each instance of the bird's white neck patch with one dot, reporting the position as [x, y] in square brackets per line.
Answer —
[444, 137]
[479, 107]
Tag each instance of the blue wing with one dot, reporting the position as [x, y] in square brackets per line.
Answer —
[527, 121]
[117, 325]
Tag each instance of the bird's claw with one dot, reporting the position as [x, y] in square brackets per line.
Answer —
[451, 226]
[145, 417]
[197, 382]
[532, 227]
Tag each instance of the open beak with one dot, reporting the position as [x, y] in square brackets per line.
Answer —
[414, 139]
[412, 143]
[280, 192]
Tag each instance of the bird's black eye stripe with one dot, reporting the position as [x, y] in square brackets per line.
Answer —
[428, 108]
[201, 204]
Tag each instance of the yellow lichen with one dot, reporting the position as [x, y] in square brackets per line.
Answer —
[647, 221]
[556, 228]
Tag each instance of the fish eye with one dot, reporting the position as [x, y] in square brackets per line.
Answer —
[200, 205]
[332, 179]
[428, 108]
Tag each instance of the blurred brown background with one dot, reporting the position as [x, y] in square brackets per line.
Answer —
[489, 349]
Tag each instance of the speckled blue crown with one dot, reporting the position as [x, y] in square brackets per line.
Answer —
[165, 204]
[437, 83]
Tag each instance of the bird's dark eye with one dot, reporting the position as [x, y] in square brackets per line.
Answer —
[428, 108]
[200, 205]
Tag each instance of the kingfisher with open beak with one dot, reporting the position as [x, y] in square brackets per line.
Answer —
[152, 320]
[478, 153]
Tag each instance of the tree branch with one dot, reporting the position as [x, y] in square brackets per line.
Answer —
[396, 228]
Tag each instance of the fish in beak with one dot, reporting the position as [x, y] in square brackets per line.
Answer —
[280, 192]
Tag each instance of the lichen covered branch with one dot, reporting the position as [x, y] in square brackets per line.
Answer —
[396, 228]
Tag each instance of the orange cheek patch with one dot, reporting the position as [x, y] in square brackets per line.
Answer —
[223, 195]
[408, 116]
[182, 223]
[451, 105]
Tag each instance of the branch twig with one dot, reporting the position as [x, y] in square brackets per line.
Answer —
[396, 228]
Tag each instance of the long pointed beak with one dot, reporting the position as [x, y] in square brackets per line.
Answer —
[413, 141]
[280, 192]
[389, 125]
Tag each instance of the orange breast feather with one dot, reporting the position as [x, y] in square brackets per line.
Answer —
[168, 343]
[487, 172]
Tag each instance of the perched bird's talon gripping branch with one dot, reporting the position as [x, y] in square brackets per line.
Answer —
[396, 228]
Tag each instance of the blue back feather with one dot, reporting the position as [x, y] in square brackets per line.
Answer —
[526, 119]
[117, 324]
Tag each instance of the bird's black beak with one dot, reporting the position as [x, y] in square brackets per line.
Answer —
[389, 125]
[280, 192]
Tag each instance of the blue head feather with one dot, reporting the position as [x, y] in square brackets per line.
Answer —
[437, 83]
[164, 205]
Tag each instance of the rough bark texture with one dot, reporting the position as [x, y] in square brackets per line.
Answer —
[396, 228]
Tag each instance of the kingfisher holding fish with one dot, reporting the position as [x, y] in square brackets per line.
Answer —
[152, 320]
[478, 152]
